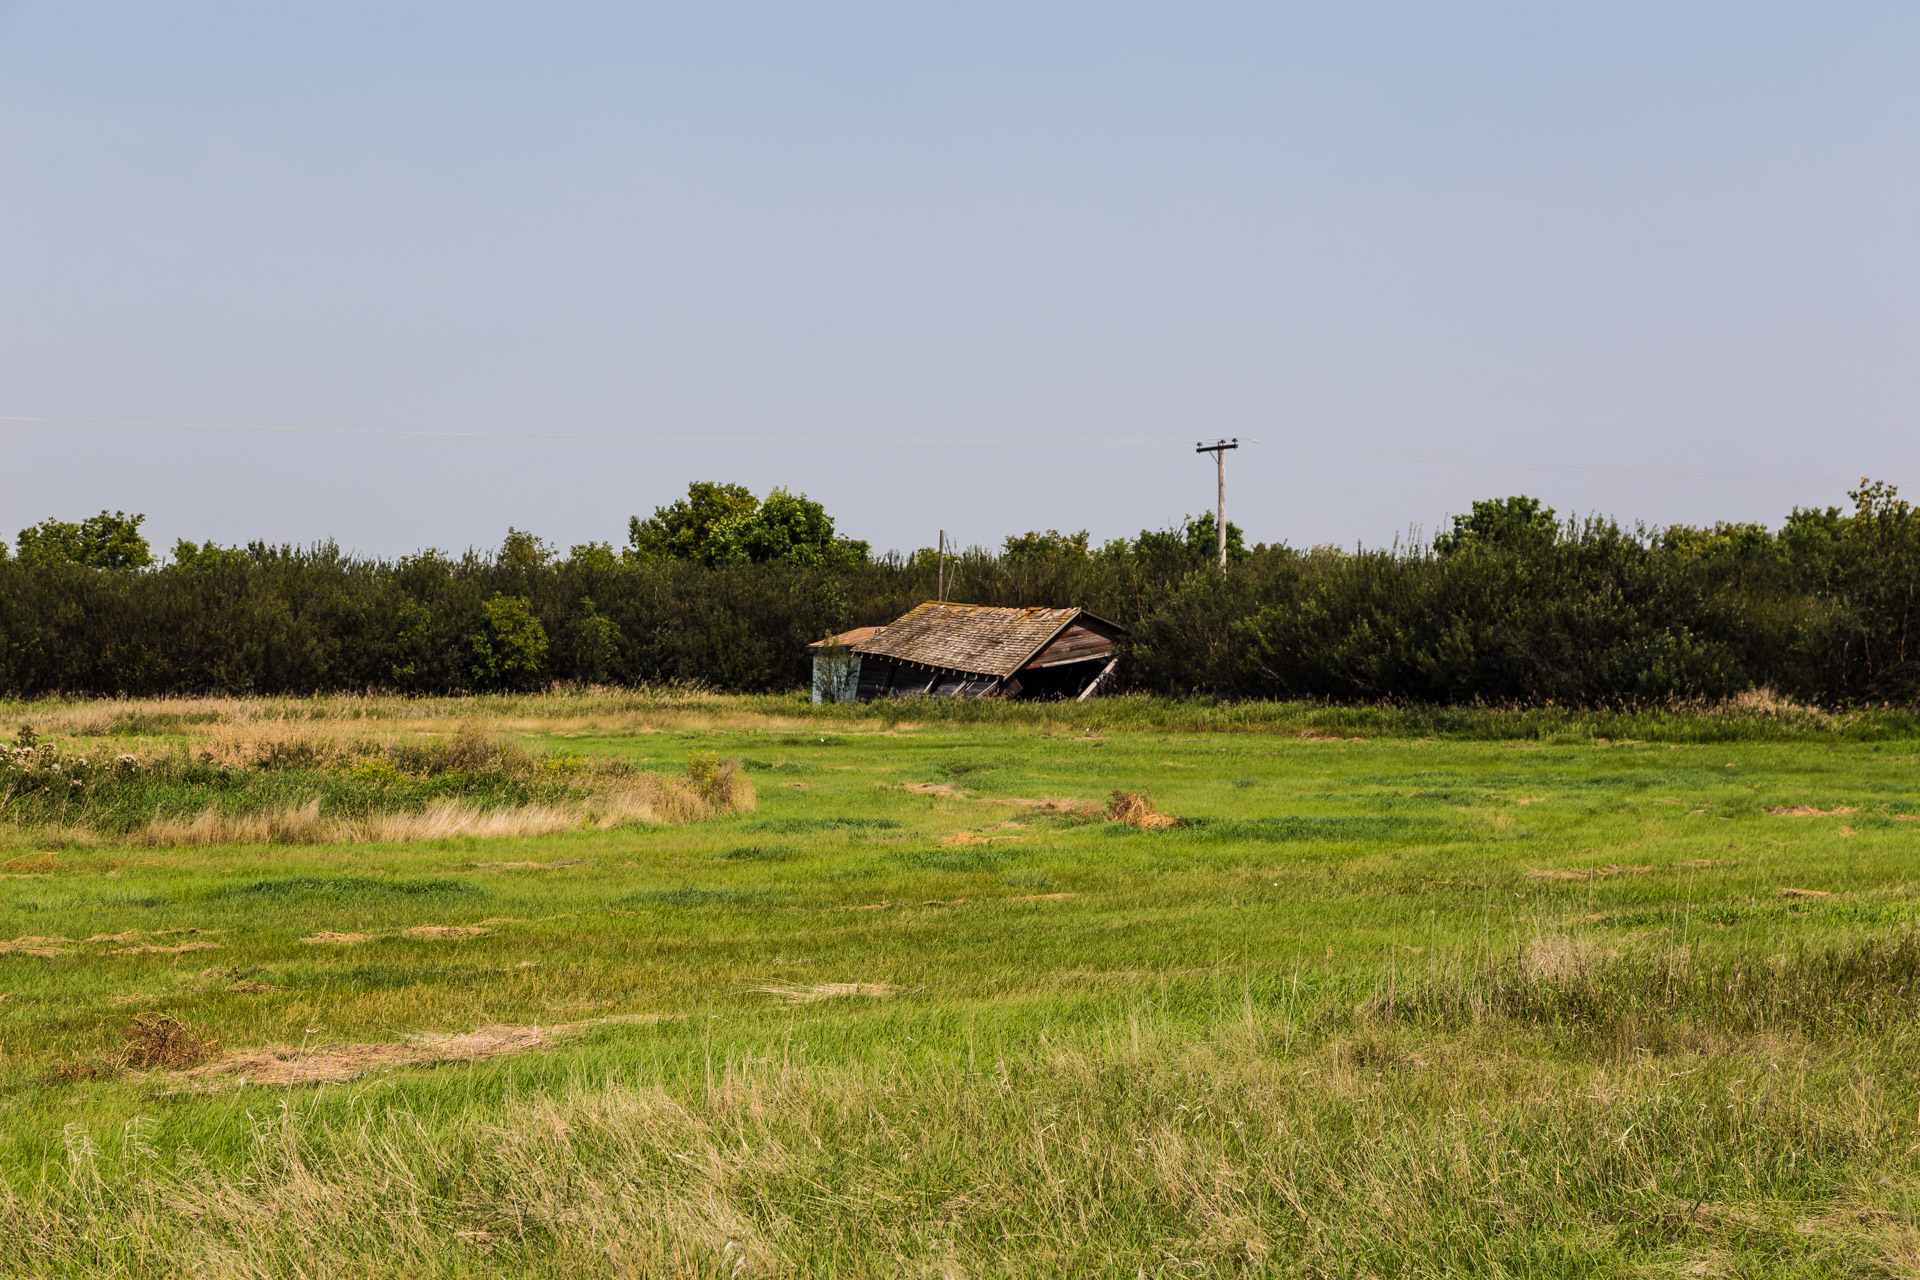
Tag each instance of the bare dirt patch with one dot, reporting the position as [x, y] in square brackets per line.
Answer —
[1045, 804]
[334, 1063]
[328, 938]
[831, 991]
[1586, 873]
[1052, 804]
[444, 931]
[527, 866]
[973, 837]
[1808, 811]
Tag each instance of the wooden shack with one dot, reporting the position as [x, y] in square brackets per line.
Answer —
[836, 667]
[972, 651]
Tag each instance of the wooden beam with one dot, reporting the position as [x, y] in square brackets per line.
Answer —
[1094, 688]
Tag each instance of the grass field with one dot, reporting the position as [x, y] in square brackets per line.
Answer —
[1403, 993]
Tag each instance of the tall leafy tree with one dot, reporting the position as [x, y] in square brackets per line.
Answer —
[110, 540]
[685, 529]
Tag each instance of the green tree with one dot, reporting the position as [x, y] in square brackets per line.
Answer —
[207, 555]
[1517, 523]
[511, 650]
[110, 540]
[1724, 538]
[1051, 545]
[1202, 535]
[522, 550]
[593, 555]
[726, 524]
[787, 528]
[684, 530]
[595, 642]
[412, 645]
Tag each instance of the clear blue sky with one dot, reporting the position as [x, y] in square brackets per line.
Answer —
[1679, 237]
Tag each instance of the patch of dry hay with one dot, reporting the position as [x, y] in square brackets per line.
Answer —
[301, 825]
[1805, 893]
[336, 1063]
[1589, 873]
[444, 931]
[830, 991]
[1808, 811]
[527, 866]
[973, 837]
[1137, 811]
[328, 938]
[32, 862]
[644, 800]
[162, 1040]
[45, 948]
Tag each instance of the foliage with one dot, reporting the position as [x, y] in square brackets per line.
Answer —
[110, 540]
[1509, 605]
[685, 529]
[204, 556]
[725, 524]
[594, 640]
[524, 551]
[1034, 545]
[1515, 524]
[510, 650]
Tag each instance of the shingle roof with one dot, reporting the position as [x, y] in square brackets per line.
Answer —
[976, 638]
[847, 639]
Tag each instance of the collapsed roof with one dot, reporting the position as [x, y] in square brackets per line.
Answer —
[972, 650]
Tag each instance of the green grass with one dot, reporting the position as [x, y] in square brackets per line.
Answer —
[1415, 1005]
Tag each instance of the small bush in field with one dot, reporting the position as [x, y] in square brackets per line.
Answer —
[162, 1040]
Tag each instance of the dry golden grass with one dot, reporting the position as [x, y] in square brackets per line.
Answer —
[640, 799]
[162, 1040]
[1138, 811]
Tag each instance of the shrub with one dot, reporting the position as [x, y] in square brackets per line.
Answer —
[511, 650]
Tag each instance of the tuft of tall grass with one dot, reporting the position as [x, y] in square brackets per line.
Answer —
[289, 784]
[1665, 998]
[1231, 1148]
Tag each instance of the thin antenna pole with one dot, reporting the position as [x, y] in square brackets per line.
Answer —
[1219, 451]
[941, 589]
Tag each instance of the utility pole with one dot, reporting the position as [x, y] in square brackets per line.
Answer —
[1219, 451]
[941, 588]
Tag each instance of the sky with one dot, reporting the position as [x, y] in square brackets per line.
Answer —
[982, 268]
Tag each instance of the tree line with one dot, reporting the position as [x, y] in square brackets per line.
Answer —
[1510, 603]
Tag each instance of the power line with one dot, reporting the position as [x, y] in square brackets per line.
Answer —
[1622, 470]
